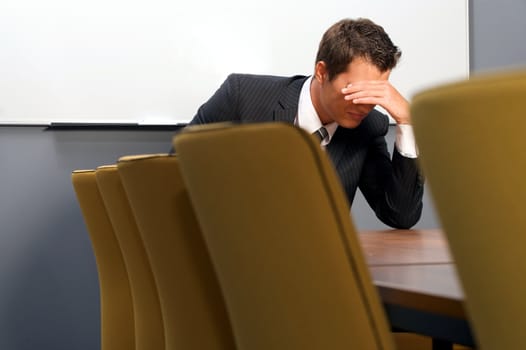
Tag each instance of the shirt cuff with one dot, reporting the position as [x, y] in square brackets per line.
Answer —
[405, 141]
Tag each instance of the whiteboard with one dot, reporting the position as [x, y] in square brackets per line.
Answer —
[157, 61]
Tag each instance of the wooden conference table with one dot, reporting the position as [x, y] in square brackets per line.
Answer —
[417, 281]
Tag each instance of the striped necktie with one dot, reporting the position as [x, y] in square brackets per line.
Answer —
[321, 134]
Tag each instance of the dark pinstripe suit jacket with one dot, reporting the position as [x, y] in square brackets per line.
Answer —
[393, 188]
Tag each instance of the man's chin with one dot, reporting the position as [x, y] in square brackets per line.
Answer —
[349, 124]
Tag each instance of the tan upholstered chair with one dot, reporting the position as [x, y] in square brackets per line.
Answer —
[149, 330]
[193, 308]
[117, 327]
[277, 226]
[472, 143]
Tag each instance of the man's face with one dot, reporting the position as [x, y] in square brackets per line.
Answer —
[328, 98]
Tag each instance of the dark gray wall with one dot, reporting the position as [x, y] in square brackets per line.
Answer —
[497, 35]
[48, 279]
[49, 297]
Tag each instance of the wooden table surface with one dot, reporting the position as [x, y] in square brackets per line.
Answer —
[432, 288]
[402, 247]
[417, 282]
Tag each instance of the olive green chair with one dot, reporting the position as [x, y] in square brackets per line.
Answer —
[472, 143]
[277, 226]
[193, 308]
[116, 306]
[149, 329]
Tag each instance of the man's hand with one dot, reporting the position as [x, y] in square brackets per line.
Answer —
[382, 93]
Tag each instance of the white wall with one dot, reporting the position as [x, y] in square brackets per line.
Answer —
[158, 60]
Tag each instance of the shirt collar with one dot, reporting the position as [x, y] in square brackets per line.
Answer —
[307, 118]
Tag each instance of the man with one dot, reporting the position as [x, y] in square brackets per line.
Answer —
[354, 60]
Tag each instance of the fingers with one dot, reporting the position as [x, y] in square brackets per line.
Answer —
[365, 84]
[381, 93]
[366, 92]
[371, 85]
[360, 95]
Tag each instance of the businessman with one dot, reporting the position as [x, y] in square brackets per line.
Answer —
[354, 60]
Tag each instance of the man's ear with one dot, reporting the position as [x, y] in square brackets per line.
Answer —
[320, 72]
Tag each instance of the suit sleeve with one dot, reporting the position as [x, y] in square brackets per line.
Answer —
[393, 187]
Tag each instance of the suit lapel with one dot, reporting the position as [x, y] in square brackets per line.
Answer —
[288, 103]
[344, 142]
[337, 147]
[285, 115]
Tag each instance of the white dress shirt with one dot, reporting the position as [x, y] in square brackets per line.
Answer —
[308, 120]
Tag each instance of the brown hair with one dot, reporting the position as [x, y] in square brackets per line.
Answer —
[351, 38]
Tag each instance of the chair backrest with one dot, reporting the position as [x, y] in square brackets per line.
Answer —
[149, 329]
[193, 308]
[471, 140]
[117, 325]
[278, 230]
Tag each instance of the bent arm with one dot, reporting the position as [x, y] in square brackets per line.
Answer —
[393, 188]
